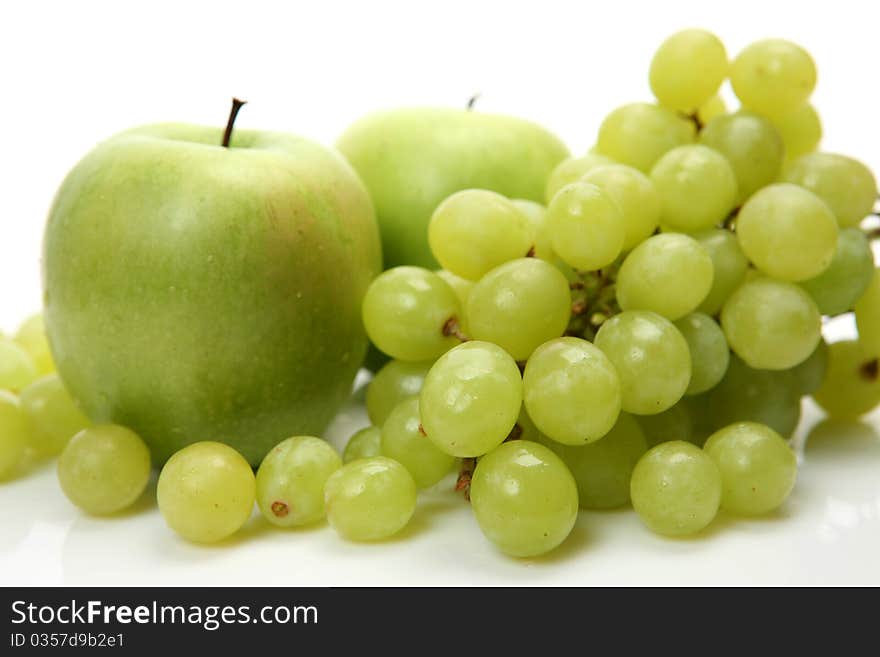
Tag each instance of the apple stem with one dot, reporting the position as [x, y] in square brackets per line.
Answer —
[473, 101]
[236, 106]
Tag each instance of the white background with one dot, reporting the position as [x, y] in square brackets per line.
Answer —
[73, 73]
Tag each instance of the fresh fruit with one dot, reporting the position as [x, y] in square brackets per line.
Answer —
[403, 440]
[801, 131]
[674, 423]
[31, 336]
[201, 292]
[837, 289]
[729, 266]
[851, 386]
[53, 415]
[290, 480]
[14, 436]
[104, 469]
[868, 315]
[635, 195]
[396, 381]
[571, 170]
[17, 370]
[773, 77]
[586, 226]
[639, 134]
[709, 351]
[363, 444]
[687, 69]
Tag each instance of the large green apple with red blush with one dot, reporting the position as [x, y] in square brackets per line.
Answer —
[411, 159]
[201, 292]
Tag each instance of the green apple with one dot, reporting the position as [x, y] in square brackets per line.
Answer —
[411, 159]
[198, 292]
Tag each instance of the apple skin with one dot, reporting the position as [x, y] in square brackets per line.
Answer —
[413, 158]
[194, 292]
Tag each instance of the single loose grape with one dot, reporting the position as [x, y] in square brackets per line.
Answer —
[470, 399]
[407, 312]
[639, 134]
[842, 284]
[752, 395]
[710, 354]
[674, 423]
[291, 478]
[757, 467]
[461, 286]
[403, 440]
[476, 230]
[687, 69]
[635, 195]
[773, 76]
[571, 391]
[519, 305]
[586, 226]
[363, 444]
[787, 232]
[676, 489]
[669, 274]
[868, 315]
[206, 492]
[801, 131]
[602, 470]
[17, 370]
[537, 216]
[53, 414]
[729, 266]
[710, 109]
[524, 498]
[571, 170]
[771, 325]
[852, 383]
[396, 381]
[808, 375]
[697, 187]
[104, 469]
[846, 185]
[651, 357]
[752, 146]
[14, 433]
[370, 499]
[31, 336]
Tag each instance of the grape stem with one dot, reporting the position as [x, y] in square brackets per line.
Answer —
[465, 474]
[694, 117]
[233, 113]
[730, 221]
[452, 329]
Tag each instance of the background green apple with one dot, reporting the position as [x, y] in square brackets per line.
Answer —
[196, 292]
[411, 159]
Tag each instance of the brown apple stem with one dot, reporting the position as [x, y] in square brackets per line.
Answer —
[472, 101]
[233, 113]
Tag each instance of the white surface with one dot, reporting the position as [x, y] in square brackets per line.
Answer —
[74, 73]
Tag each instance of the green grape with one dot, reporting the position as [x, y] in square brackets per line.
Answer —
[672, 424]
[702, 422]
[363, 444]
[53, 414]
[519, 305]
[808, 375]
[402, 440]
[370, 499]
[104, 469]
[471, 399]
[406, 312]
[787, 232]
[14, 434]
[757, 467]
[635, 195]
[31, 336]
[710, 109]
[651, 358]
[396, 381]
[571, 170]
[729, 266]
[845, 184]
[537, 216]
[852, 383]
[771, 325]
[461, 286]
[801, 131]
[669, 274]
[476, 230]
[773, 77]
[524, 498]
[291, 478]
[710, 354]
[586, 226]
[676, 489]
[528, 430]
[752, 146]
[842, 284]
[750, 395]
[602, 469]
[697, 187]
[687, 69]
[17, 370]
[206, 492]
[639, 134]
[868, 315]
[571, 391]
